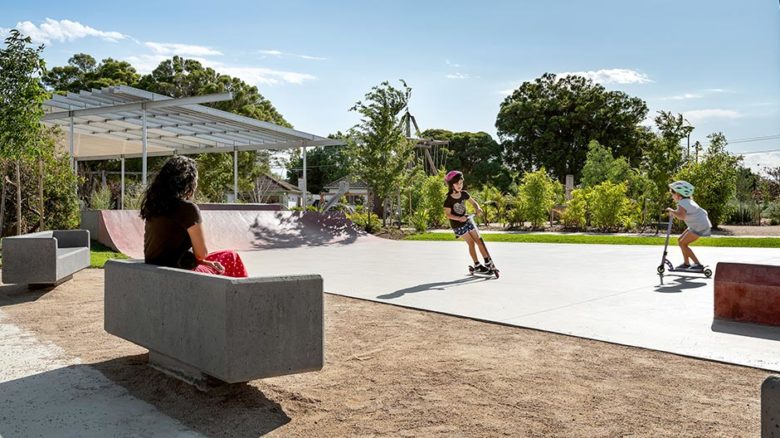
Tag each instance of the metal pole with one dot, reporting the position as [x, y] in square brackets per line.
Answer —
[304, 179]
[122, 196]
[143, 141]
[235, 174]
[72, 148]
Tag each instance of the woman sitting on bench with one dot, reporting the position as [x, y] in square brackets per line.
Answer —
[173, 235]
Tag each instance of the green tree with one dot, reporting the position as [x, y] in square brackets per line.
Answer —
[476, 154]
[323, 166]
[378, 149]
[609, 206]
[550, 121]
[601, 166]
[84, 73]
[663, 156]
[714, 178]
[21, 98]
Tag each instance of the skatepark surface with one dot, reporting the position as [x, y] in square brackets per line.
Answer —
[603, 292]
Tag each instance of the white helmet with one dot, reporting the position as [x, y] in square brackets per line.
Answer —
[684, 188]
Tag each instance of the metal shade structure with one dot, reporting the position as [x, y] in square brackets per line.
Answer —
[121, 122]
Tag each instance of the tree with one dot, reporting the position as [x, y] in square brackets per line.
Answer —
[379, 151]
[21, 99]
[663, 156]
[550, 121]
[84, 73]
[601, 166]
[323, 166]
[476, 154]
[538, 194]
[714, 178]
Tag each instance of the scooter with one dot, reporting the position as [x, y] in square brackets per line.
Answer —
[665, 263]
[493, 271]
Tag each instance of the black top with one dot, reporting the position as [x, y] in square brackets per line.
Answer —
[166, 241]
[457, 207]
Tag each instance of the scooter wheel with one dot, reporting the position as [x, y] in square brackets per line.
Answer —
[660, 269]
[708, 273]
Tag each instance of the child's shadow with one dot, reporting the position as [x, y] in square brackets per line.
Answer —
[680, 284]
[441, 285]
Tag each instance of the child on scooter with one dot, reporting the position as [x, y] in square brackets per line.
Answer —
[695, 217]
[455, 210]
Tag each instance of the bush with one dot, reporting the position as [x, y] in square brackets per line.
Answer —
[100, 199]
[537, 195]
[434, 192]
[609, 207]
[576, 209]
[419, 220]
[367, 221]
[134, 195]
[772, 212]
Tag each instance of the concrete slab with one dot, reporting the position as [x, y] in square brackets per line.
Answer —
[604, 292]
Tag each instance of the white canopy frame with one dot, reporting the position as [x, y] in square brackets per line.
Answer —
[122, 122]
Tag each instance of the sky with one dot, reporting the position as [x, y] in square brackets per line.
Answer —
[715, 61]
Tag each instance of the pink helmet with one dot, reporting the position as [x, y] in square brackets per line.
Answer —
[452, 174]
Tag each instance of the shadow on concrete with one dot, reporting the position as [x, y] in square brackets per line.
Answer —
[11, 294]
[441, 285]
[680, 284]
[769, 332]
[304, 229]
[239, 410]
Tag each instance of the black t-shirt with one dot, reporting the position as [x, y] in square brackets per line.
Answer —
[166, 240]
[457, 207]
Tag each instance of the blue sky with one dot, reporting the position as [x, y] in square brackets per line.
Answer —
[715, 61]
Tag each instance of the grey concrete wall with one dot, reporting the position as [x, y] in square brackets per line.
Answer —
[770, 407]
[235, 330]
[89, 222]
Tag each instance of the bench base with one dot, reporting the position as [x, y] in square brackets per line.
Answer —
[186, 373]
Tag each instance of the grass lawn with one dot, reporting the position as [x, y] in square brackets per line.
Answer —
[742, 242]
[99, 254]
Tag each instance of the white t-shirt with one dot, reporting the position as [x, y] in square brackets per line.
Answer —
[696, 218]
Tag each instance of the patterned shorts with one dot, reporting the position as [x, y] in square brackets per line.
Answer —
[463, 229]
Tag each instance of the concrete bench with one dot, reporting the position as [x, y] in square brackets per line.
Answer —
[45, 258]
[208, 330]
[770, 407]
[747, 293]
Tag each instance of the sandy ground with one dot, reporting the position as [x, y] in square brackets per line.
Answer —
[397, 372]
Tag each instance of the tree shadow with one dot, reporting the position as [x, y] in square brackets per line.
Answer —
[81, 400]
[680, 284]
[291, 230]
[441, 285]
[11, 294]
[238, 410]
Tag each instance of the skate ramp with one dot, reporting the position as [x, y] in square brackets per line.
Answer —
[123, 230]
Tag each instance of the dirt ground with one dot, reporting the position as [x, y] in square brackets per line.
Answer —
[398, 372]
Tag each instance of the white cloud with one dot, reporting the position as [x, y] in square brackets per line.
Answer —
[685, 96]
[458, 76]
[169, 49]
[759, 161]
[279, 53]
[451, 64]
[713, 113]
[64, 30]
[718, 90]
[614, 75]
[262, 75]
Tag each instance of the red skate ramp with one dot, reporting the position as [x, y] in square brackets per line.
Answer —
[123, 230]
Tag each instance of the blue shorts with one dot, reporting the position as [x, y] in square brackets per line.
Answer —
[463, 229]
[701, 233]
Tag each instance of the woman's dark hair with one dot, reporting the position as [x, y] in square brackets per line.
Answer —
[453, 181]
[175, 181]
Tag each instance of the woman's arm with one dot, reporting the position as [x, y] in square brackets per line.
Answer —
[199, 249]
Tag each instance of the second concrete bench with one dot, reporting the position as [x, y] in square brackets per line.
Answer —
[208, 329]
